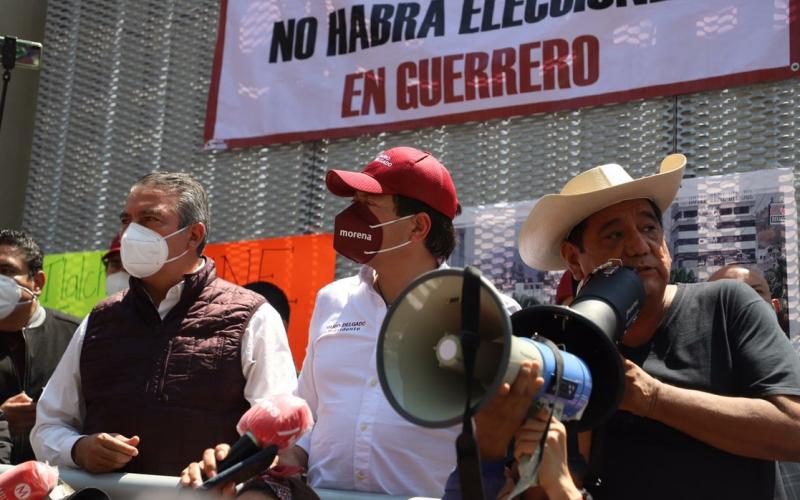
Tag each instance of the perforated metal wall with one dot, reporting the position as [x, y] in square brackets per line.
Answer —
[123, 92]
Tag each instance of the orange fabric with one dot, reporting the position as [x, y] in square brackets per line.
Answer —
[299, 265]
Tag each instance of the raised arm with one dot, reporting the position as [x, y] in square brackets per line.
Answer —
[767, 428]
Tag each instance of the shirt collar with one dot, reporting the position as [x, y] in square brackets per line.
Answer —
[366, 275]
[38, 317]
[173, 295]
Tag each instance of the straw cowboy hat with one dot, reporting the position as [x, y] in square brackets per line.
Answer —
[554, 216]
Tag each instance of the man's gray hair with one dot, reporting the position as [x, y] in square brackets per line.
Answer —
[192, 204]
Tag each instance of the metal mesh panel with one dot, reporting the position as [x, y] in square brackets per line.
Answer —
[741, 129]
[124, 89]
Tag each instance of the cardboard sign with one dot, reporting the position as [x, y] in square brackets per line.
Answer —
[298, 265]
[74, 283]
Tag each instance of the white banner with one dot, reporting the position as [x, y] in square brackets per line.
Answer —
[286, 70]
[745, 218]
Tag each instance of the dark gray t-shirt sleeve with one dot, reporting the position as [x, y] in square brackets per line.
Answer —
[763, 358]
[723, 338]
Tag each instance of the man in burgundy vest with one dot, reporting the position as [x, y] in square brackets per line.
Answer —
[161, 371]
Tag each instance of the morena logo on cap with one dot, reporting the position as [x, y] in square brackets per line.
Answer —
[384, 159]
[354, 234]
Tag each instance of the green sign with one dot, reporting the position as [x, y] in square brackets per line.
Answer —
[75, 282]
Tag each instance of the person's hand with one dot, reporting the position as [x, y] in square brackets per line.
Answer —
[641, 391]
[553, 466]
[529, 434]
[103, 452]
[20, 411]
[294, 456]
[554, 476]
[496, 423]
[196, 472]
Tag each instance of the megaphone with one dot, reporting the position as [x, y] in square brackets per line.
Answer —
[419, 357]
[605, 305]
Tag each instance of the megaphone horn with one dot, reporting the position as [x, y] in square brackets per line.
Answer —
[420, 363]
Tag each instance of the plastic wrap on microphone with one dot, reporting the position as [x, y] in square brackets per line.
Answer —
[280, 420]
[28, 480]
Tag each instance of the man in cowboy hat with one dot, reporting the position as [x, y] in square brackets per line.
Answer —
[712, 387]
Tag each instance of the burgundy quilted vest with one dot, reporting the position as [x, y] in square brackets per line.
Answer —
[177, 383]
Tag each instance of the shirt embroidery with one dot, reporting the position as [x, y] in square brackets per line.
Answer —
[345, 327]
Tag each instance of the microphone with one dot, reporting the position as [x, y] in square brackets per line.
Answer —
[272, 424]
[29, 479]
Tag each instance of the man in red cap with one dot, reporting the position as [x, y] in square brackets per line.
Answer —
[400, 225]
[116, 276]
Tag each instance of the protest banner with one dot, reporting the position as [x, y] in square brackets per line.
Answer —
[297, 71]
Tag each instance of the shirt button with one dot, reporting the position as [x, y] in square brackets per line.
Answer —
[360, 475]
[363, 427]
[373, 382]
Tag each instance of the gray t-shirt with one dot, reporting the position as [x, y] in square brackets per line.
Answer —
[716, 337]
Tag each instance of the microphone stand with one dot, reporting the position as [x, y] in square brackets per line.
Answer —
[9, 59]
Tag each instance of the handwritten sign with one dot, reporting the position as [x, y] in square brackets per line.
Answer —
[75, 282]
[299, 265]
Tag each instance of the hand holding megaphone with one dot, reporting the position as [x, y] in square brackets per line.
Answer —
[269, 426]
[500, 419]
[553, 474]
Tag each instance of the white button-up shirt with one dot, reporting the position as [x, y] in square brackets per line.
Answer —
[267, 366]
[359, 442]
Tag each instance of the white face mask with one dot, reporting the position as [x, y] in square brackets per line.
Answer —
[117, 282]
[144, 252]
[10, 293]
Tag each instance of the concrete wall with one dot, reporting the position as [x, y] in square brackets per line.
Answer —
[23, 19]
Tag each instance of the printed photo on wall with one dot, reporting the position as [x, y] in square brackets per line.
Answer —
[748, 219]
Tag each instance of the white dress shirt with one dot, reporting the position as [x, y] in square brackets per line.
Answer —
[267, 366]
[359, 442]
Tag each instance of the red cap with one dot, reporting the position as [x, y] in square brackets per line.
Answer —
[405, 171]
[565, 288]
[115, 245]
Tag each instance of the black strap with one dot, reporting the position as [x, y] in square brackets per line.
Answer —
[468, 460]
[8, 54]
